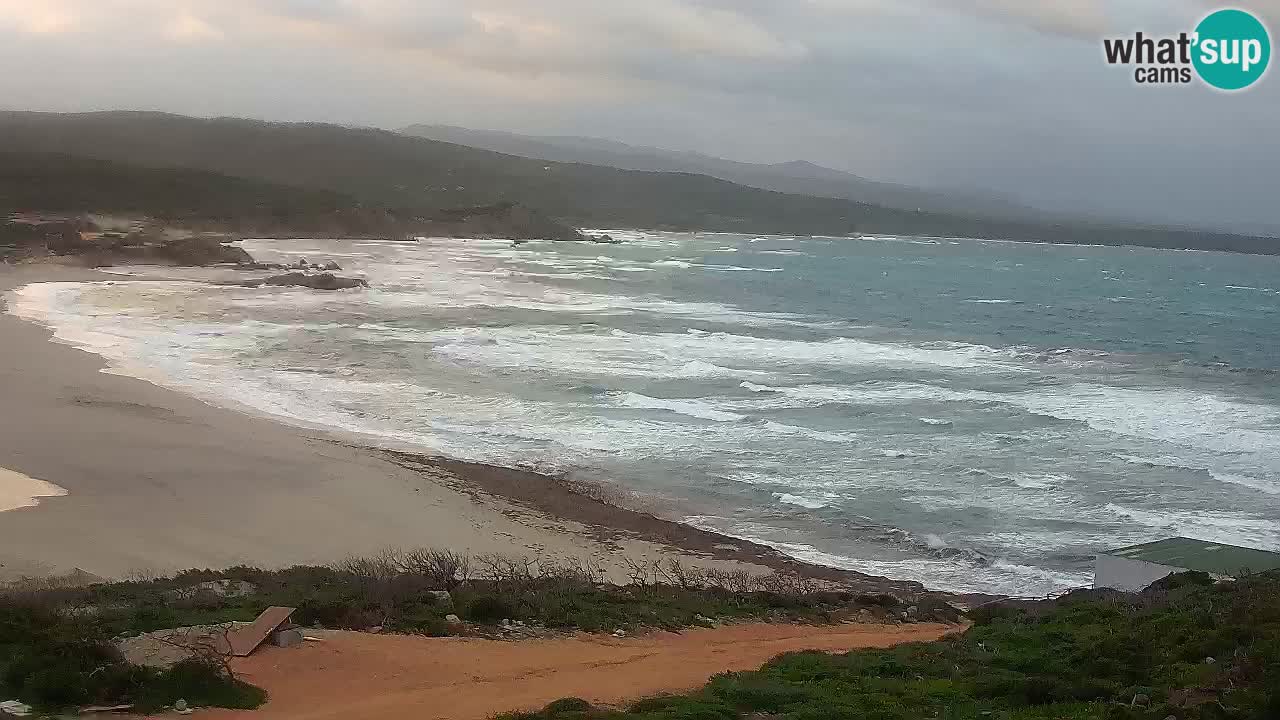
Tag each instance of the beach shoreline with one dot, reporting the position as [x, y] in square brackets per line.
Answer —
[158, 480]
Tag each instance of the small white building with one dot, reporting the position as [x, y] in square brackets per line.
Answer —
[1135, 567]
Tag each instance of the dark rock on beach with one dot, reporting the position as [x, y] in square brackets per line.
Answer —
[200, 250]
[321, 281]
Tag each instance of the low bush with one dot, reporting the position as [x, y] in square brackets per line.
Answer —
[487, 608]
[395, 591]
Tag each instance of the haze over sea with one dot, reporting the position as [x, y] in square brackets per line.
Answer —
[976, 415]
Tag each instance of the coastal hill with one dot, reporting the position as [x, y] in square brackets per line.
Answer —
[205, 200]
[796, 177]
[67, 183]
[389, 170]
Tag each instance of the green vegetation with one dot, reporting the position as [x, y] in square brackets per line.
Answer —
[63, 183]
[400, 592]
[57, 660]
[422, 177]
[1186, 649]
[204, 200]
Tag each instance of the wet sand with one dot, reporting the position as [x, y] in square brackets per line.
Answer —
[355, 676]
[158, 481]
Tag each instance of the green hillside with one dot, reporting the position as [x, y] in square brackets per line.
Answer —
[201, 199]
[420, 175]
[65, 183]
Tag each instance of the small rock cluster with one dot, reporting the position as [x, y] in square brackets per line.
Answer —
[302, 264]
[321, 281]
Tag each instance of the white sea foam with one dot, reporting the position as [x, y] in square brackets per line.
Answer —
[1191, 419]
[571, 350]
[800, 501]
[692, 408]
[700, 369]
[1042, 481]
[867, 394]
[1195, 420]
[754, 478]
[1163, 462]
[379, 364]
[831, 437]
[935, 421]
[999, 576]
[1227, 527]
[897, 454]
[1270, 487]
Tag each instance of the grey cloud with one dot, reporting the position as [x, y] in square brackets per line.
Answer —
[1084, 18]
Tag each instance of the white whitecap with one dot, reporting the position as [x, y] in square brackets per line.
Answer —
[800, 501]
[1249, 481]
[692, 408]
[822, 435]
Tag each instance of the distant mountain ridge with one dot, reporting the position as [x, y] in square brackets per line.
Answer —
[800, 177]
[409, 177]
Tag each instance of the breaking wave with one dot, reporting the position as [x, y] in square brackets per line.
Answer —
[934, 447]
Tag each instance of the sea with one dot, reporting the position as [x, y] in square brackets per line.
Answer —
[980, 416]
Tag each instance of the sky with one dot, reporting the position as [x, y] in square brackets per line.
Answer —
[1007, 96]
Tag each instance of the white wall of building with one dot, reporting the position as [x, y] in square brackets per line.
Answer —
[1120, 573]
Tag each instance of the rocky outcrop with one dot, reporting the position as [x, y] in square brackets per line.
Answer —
[321, 281]
[303, 265]
[144, 241]
[199, 250]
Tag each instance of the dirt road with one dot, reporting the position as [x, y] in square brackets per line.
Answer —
[356, 676]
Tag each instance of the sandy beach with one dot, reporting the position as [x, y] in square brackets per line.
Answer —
[155, 481]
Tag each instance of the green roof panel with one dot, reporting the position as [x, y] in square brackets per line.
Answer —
[1202, 555]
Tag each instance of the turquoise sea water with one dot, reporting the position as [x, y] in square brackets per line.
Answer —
[975, 415]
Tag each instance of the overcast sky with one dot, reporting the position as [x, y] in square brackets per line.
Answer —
[1004, 95]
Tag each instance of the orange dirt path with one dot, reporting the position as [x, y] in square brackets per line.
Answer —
[356, 676]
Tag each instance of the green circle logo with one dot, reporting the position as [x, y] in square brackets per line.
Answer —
[1232, 49]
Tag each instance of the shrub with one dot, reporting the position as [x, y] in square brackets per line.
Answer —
[202, 683]
[59, 661]
[564, 705]
[489, 608]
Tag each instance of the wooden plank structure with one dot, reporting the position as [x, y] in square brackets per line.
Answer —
[244, 640]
